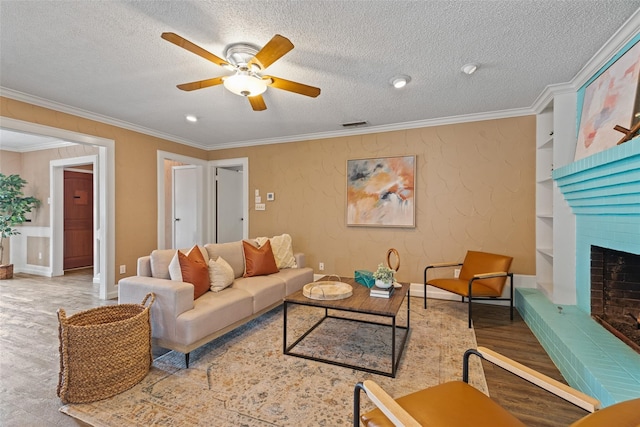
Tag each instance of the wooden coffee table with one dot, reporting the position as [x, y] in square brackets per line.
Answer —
[359, 302]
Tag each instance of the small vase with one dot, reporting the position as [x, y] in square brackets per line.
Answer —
[383, 285]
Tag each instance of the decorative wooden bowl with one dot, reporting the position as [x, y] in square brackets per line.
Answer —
[327, 290]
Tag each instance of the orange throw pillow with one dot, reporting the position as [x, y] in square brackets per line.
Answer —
[258, 261]
[195, 271]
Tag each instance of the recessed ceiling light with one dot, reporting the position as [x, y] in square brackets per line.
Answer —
[400, 81]
[191, 118]
[469, 68]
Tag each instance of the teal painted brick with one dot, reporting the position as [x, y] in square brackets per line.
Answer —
[591, 359]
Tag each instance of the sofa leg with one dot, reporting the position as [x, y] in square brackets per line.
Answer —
[186, 359]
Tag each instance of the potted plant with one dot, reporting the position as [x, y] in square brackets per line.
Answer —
[384, 276]
[14, 205]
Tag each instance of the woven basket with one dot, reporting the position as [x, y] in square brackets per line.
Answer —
[103, 351]
[6, 272]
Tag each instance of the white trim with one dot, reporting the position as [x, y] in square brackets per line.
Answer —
[243, 162]
[52, 105]
[18, 252]
[204, 182]
[106, 178]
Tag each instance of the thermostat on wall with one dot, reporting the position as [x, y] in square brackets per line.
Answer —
[271, 196]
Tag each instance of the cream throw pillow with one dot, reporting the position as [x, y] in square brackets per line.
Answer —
[220, 274]
[175, 272]
[282, 250]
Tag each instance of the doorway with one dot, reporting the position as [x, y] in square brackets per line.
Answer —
[229, 215]
[78, 218]
[195, 172]
[232, 191]
[104, 195]
[184, 196]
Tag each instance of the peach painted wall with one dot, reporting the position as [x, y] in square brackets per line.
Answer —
[474, 190]
[135, 182]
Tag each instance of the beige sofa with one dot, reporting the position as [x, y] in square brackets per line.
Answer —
[183, 324]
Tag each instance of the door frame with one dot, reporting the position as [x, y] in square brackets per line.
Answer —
[198, 207]
[106, 188]
[203, 173]
[57, 168]
[243, 164]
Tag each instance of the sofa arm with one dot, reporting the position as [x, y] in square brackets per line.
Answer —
[301, 261]
[172, 299]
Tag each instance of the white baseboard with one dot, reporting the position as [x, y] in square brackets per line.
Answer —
[33, 269]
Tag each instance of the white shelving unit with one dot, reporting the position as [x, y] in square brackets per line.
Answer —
[544, 200]
[555, 223]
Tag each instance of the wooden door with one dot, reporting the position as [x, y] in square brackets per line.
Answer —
[78, 219]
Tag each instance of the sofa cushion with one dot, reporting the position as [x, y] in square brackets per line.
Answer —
[266, 290]
[192, 269]
[212, 312]
[294, 278]
[282, 250]
[220, 274]
[258, 261]
[232, 252]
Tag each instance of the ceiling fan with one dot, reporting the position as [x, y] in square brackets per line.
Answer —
[248, 62]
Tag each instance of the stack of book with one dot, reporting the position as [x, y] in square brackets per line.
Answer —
[381, 292]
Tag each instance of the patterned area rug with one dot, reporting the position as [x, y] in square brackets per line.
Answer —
[243, 379]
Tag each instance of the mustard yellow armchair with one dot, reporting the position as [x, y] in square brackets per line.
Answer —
[482, 276]
[457, 403]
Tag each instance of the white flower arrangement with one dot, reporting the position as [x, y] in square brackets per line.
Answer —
[384, 274]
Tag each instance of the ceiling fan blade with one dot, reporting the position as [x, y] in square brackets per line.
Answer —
[201, 84]
[275, 49]
[295, 87]
[191, 47]
[257, 103]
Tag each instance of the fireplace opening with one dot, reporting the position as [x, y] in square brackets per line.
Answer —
[615, 293]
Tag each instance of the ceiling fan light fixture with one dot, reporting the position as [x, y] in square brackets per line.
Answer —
[245, 84]
[469, 68]
[400, 81]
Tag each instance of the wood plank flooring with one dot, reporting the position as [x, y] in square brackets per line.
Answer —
[532, 405]
[29, 348]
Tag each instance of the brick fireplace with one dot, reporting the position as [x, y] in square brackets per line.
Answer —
[615, 293]
[603, 191]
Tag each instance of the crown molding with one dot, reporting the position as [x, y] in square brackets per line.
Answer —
[493, 115]
[63, 108]
[620, 38]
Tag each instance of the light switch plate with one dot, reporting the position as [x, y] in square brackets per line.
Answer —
[260, 206]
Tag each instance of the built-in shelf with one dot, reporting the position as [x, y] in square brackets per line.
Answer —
[555, 222]
[546, 252]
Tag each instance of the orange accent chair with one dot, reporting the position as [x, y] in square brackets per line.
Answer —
[482, 277]
[457, 403]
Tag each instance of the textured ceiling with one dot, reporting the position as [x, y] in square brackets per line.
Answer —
[106, 59]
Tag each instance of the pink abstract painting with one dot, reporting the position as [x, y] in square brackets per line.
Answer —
[609, 101]
[381, 192]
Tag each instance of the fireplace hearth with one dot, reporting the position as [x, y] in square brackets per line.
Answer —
[615, 293]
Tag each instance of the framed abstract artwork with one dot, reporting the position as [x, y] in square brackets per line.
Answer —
[610, 98]
[381, 192]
